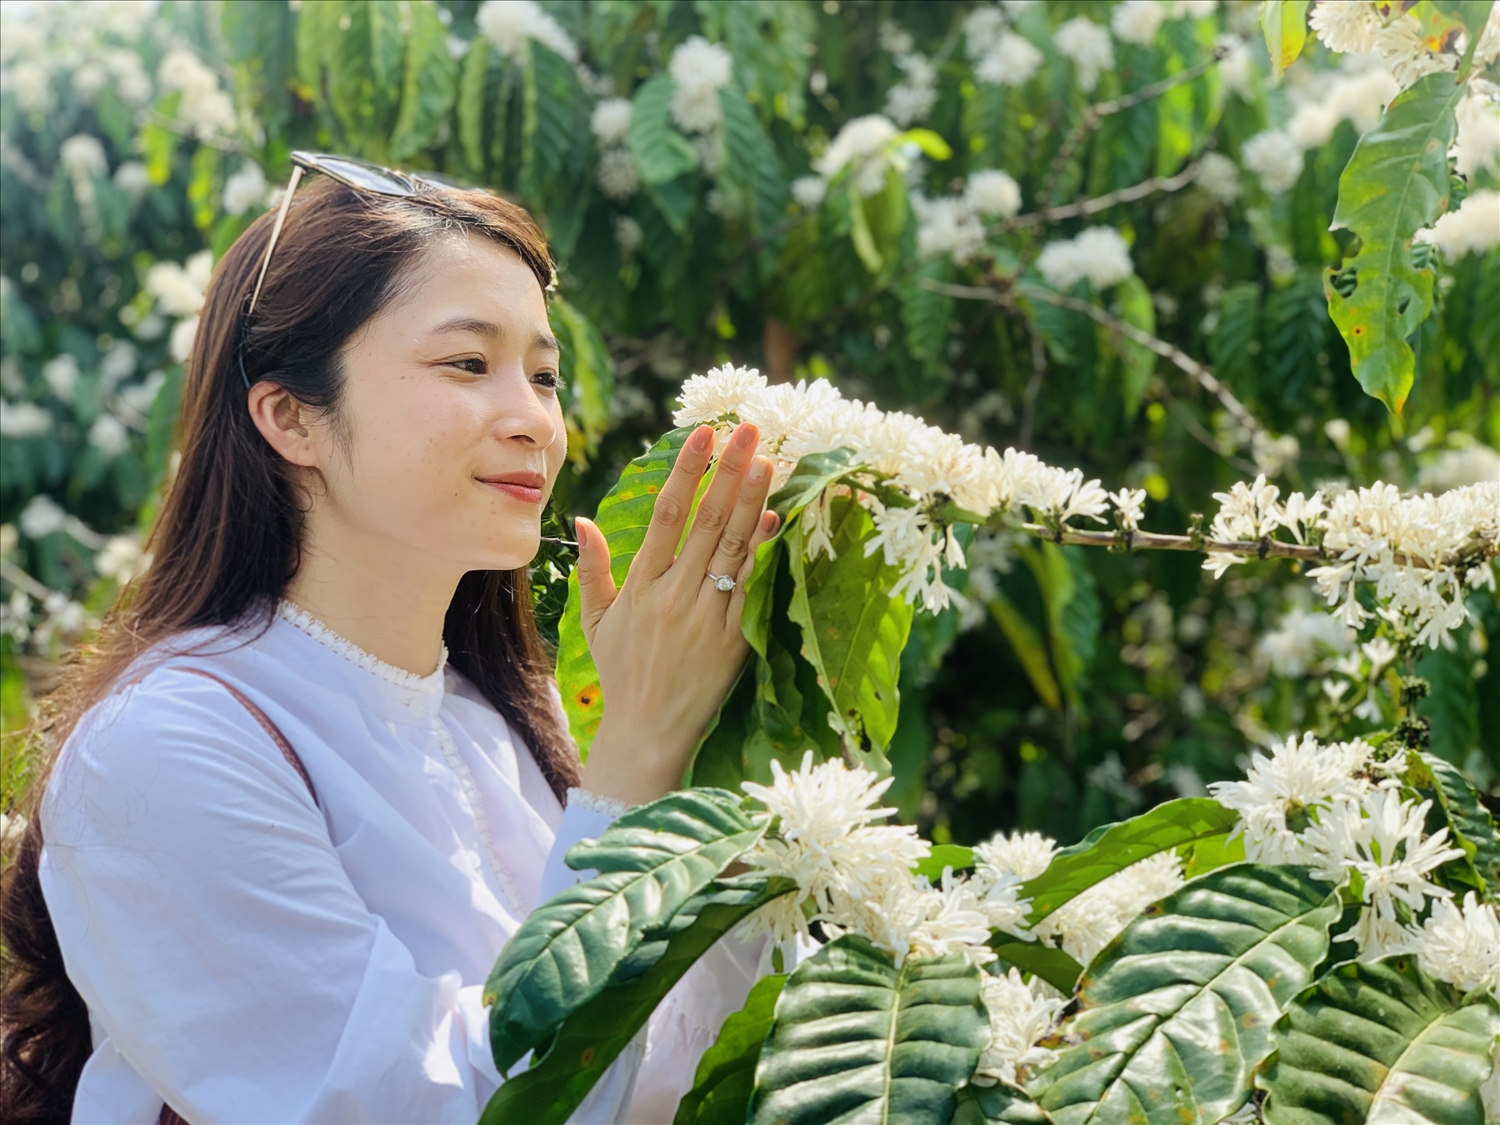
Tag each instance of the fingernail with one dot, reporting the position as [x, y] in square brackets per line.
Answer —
[769, 522]
[745, 436]
[758, 470]
[702, 440]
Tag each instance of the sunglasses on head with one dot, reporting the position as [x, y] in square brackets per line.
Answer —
[362, 176]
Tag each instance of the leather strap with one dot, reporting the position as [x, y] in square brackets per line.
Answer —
[168, 1115]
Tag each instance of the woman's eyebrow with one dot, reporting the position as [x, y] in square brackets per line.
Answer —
[490, 330]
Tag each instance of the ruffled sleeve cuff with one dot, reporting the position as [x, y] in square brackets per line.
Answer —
[585, 818]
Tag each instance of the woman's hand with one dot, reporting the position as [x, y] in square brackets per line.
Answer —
[667, 644]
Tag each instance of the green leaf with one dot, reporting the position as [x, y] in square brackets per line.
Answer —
[943, 855]
[752, 168]
[1114, 847]
[660, 152]
[429, 85]
[650, 862]
[587, 373]
[812, 475]
[853, 629]
[555, 140]
[857, 1039]
[470, 111]
[1381, 1043]
[1068, 589]
[363, 61]
[593, 1036]
[925, 313]
[1029, 648]
[1138, 361]
[998, 1105]
[1469, 823]
[1451, 702]
[1395, 184]
[932, 144]
[726, 1072]
[1284, 23]
[623, 516]
[1177, 1012]
[1053, 965]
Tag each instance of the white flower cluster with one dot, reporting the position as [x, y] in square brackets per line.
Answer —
[1275, 157]
[911, 99]
[699, 70]
[1301, 638]
[1472, 229]
[1001, 57]
[1089, 48]
[854, 874]
[1358, 96]
[1339, 810]
[1137, 21]
[245, 189]
[179, 293]
[864, 146]
[511, 24]
[1099, 254]
[953, 226]
[618, 176]
[1362, 27]
[1219, 176]
[203, 105]
[916, 467]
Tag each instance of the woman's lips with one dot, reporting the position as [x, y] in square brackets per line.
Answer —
[525, 487]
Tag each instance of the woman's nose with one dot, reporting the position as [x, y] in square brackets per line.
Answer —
[526, 413]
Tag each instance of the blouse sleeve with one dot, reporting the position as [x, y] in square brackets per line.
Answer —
[206, 919]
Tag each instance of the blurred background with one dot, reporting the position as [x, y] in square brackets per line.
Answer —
[818, 188]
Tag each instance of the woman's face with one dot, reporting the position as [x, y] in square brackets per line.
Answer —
[450, 434]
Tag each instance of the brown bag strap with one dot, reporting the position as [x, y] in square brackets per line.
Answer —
[168, 1115]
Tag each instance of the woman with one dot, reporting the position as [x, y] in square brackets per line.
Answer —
[314, 773]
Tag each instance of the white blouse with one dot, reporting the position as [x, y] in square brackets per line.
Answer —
[250, 956]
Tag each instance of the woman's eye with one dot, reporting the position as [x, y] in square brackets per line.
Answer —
[473, 364]
[549, 379]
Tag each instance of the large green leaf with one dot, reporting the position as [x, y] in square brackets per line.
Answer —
[1072, 603]
[1114, 847]
[1382, 1044]
[1395, 184]
[593, 1036]
[1177, 1012]
[853, 630]
[1053, 965]
[428, 86]
[650, 862]
[470, 109]
[1137, 361]
[555, 142]
[1470, 825]
[998, 1105]
[752, 169]
[623, 516]
[858, 1040]
[1029, 648]
[661, 153]
[726, 1072]
[363, 59]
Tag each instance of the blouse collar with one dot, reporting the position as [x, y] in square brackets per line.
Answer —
[430, 686]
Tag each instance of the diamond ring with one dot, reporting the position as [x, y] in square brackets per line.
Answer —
[722, 582]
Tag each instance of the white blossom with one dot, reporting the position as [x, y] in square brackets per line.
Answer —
[1010, 62]
[809, 191]
[862, 144]
[1129, 506]
[203, 104]
[1020, 1017]
[628, 235]
[1274, 157]
[1472, 229]
[245, 189]
[133, 179]
[618, 175]
[1219, 176]
[912, 99]
[1237, 68]
[1099, 254]
[41, 517]
[1401, 48]
[1478, 142]
[140, 396]
[1024, 855]
[60, 373]
[1346, 25]
[179, 289]
[947, 227]
[24, 419]
[1281, 795]
[511, 24]
[1084, 925]
[699, 70]
[983, 27]
[1300, 638]
[82, 155]
[1088, 47]
[993, 194]
[610, 121]
[1137, 21]
[1459, 945]
[109, 436]
[121, 559]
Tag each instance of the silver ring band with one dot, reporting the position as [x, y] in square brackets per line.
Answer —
[722, 582]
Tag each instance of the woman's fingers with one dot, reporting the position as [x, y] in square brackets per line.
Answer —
[766, 527]
[734, 544]
[716, 509]
[596, 586]
[673, 504]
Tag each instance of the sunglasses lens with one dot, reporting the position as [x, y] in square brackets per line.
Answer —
[358, 174]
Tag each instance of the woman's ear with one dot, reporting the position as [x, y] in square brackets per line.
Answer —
[286, 423]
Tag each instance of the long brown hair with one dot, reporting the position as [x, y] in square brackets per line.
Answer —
[228, 542]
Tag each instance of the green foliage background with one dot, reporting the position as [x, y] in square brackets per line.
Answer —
[1084, 685]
